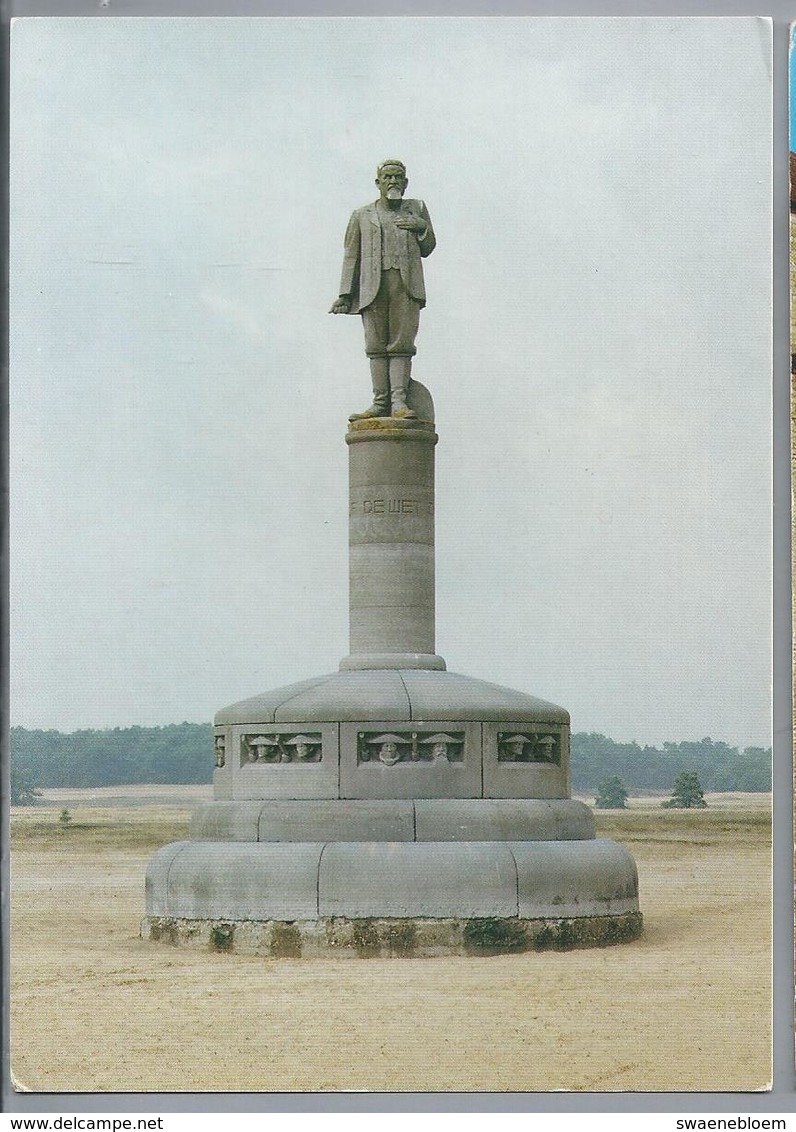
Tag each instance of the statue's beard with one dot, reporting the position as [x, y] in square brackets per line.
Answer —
[394, 194]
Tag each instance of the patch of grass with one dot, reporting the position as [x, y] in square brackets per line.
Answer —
[286, 941]
[706, 827]
[223, 937]
[44, 832]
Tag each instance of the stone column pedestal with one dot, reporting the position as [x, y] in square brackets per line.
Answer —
[391, 544]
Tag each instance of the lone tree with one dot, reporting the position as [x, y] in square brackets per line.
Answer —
[21, 788]
[686, 793]
[611, 794]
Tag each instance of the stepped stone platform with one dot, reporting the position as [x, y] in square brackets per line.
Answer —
[392, 812]
[392, 808]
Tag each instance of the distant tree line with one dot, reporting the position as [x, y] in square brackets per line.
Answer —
[719, 766]
[183, 753]
[179, 753]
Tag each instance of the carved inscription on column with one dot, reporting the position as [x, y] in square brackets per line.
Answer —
[391, 512]
[395, 506]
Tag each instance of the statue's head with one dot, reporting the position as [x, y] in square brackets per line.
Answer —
[388, 754]
[514, 747]
[391, 179]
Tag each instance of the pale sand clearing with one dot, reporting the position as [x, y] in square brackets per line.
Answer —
[685, 1008]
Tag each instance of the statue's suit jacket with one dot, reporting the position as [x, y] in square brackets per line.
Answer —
[361, 276]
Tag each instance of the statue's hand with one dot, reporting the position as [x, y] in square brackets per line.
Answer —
[340, 306]
[411, 223]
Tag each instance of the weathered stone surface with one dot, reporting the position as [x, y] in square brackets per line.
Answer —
[482, 819]
[430, 819]
[157, 875]
[412, 879]
[212, 880]
[391, 539]
[399, 430]
[449, 695]
[535, 880]
[189, 883]
[420, 400]
[350, 696]
[336, 821]
[575, 878]
[227, 821]
[392, 596]
[261, 708]
[574, 820]
[383, 938]
[386, 694]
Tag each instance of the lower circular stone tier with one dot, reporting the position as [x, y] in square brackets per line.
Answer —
[392, 938]
[511, 895]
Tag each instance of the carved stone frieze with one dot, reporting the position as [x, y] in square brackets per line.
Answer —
[273, 749]
[220, 750]
[390, 748]
[529, 747]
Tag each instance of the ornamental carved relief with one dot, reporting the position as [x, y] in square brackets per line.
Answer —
[276, 749]
[220, 750]
[390, 747]
[529, 747]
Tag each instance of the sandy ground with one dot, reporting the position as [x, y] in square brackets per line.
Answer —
[685, 1008]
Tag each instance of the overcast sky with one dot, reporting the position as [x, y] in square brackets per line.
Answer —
[597, 341]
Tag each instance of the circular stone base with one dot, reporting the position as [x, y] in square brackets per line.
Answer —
[392, 938]
[404, 880]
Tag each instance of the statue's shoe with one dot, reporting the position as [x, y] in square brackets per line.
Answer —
[373, 411]
[403, 411]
